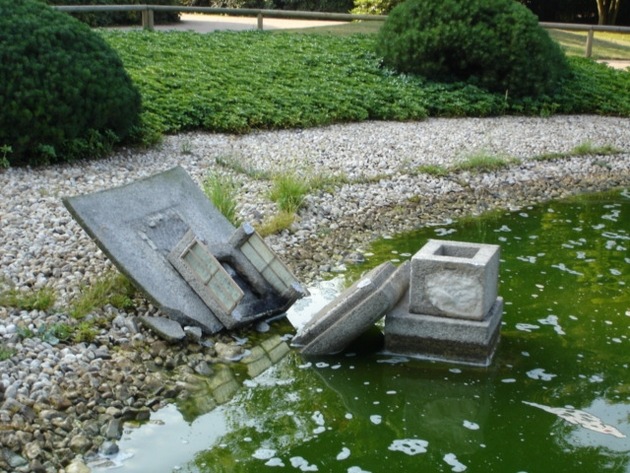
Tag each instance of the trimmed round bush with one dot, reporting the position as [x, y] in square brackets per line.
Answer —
[64, 93]
[494, 44]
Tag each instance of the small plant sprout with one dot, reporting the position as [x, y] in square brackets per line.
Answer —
[276, 224]
[114, 289]
[589, 149]
[5, 150]
[583, 149]
[433, 170]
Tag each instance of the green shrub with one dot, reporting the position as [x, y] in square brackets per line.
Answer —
[64, 93]
[115, 18]
[374, 7]
[494, 44]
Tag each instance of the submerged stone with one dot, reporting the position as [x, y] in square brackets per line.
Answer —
[443, 338]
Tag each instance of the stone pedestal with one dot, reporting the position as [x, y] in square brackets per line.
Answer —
[443, 338]
[452, 312]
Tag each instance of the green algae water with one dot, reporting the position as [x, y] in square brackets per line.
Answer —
[555, 399]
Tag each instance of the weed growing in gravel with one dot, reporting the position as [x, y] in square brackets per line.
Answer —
[185, 147]
[85, 332]
[280, 221]
[50, 334]
[433, 170]
[583, 149]
[5, 150]
[327, 183]
[221, 190]
[484, 163]
[588, 149]
[233, 163]
[6, 352]
[288, 191]
[40, 299]
[114, 289]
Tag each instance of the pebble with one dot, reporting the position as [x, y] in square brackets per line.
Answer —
[61, 403]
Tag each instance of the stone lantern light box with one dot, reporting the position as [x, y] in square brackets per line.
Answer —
[454, 279]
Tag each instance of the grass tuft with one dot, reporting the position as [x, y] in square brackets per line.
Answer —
[221, 190]
[41, 299]
[584, 149]
[433, 170]
[276, 224]
[114, 289]
[288, 191]
[484, 163]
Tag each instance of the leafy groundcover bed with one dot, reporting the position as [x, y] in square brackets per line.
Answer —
[236, 82]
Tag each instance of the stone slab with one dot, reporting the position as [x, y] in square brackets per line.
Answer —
[454, 279]
[358, 318]
[342, 304]
[164, 234]
[136, 225]
[443, 338]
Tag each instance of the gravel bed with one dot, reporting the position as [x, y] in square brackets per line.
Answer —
[61, 403]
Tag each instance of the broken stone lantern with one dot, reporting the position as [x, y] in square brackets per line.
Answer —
[173, 244]
[442, 305]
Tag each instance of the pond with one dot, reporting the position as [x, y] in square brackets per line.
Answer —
[556, 397]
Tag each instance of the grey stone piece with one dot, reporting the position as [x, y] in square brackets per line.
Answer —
[109, 448]
[168, 329]
[167, 237]
[345, 302]
[454, 279]
[138, 224]
[443, 338]
[193, 334]
[113, 429]
[351, 323]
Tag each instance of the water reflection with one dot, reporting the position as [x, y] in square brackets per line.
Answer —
[564, 274]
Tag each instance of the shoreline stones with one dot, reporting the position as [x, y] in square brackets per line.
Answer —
[61, 403]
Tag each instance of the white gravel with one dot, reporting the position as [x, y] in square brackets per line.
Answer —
[40, 244]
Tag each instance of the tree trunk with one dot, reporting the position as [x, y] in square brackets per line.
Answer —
[607, 11]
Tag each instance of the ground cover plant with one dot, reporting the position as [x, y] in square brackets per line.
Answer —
[238, 82]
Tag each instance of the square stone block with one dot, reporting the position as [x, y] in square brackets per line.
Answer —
[454, 279]
[442, 338]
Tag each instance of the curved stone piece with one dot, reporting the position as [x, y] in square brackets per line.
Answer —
[168, 329]
[355, 310]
